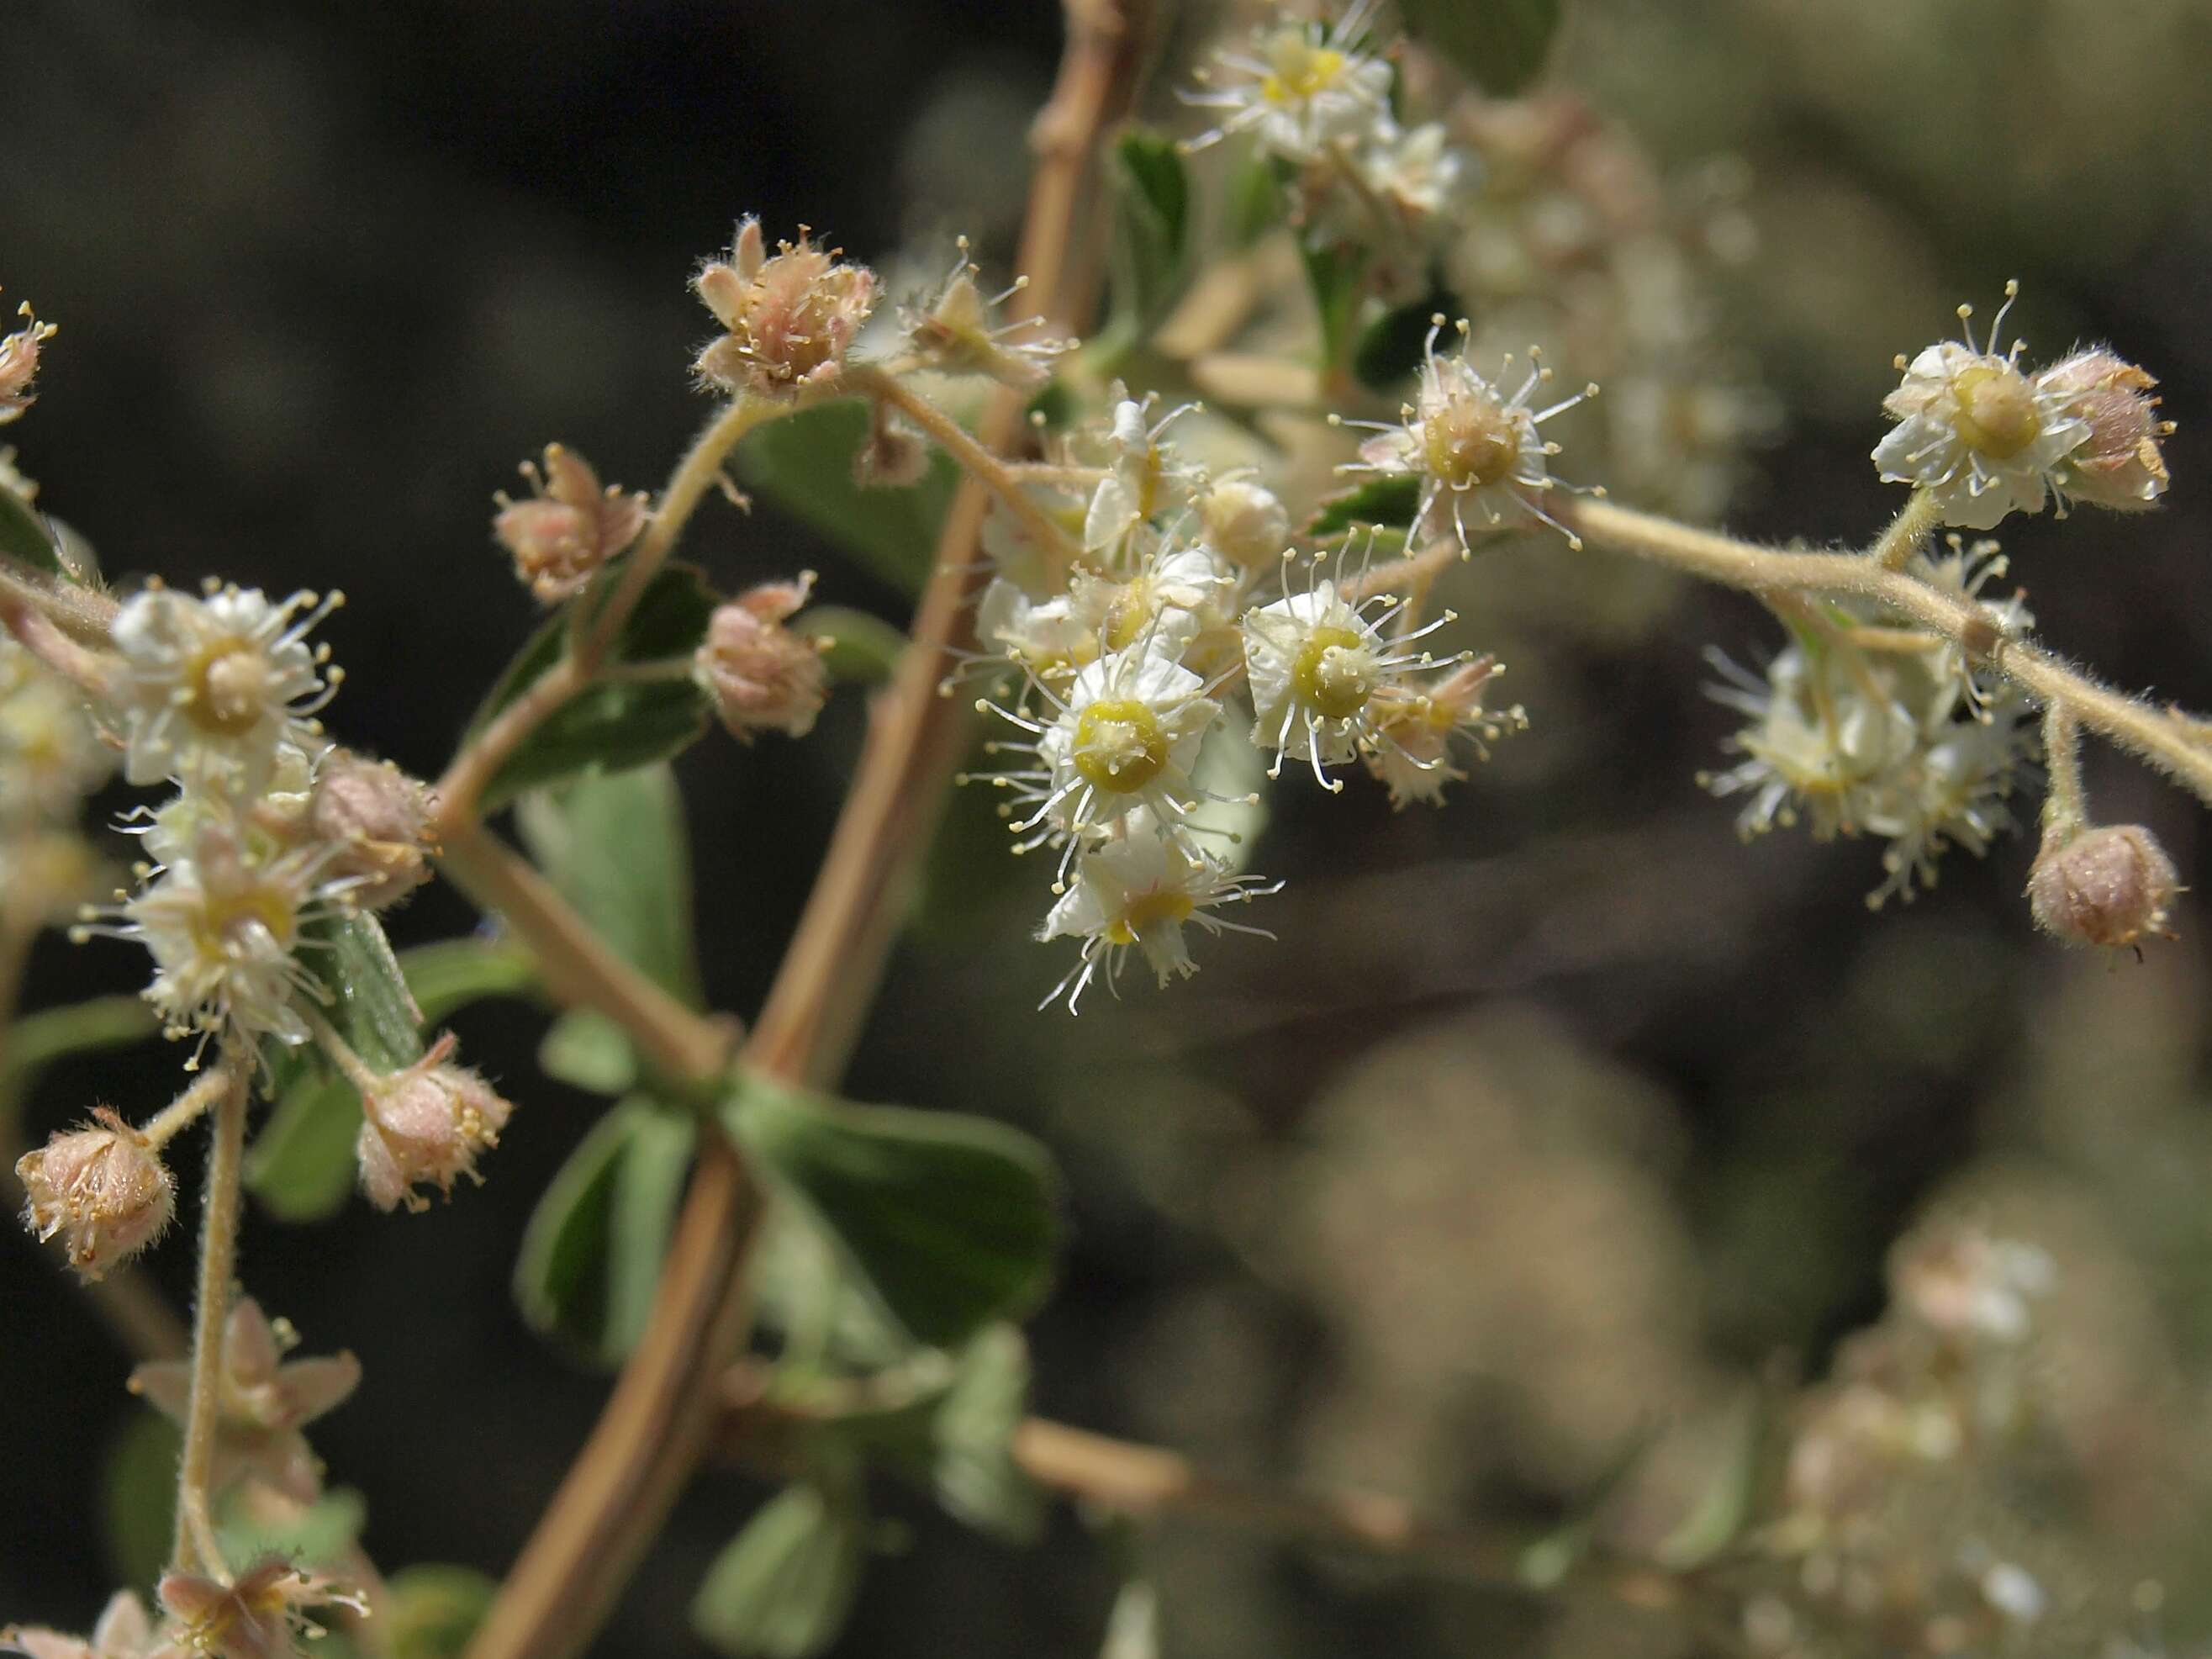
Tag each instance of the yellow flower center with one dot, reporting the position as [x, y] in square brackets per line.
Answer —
[1996, 414]
[1298, 70]
[1469, 442]
[1334, 673]
[1147, 912]
[1127, 613]
[229, 682]
[1119, 746]
[222, 917]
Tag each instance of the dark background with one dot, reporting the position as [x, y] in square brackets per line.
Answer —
[325, 274]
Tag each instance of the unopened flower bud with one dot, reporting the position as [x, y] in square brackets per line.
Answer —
[2118, 464]
[568, 527]
[789, 316]
[1245, 523]
[18, 364]
[103, 1187]
[425, 1125]
[378, 818]
[762, 675]
[2108, 885]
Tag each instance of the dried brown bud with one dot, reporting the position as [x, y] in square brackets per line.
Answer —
[893, 457]
[103, 1187]
[2118, 464]
[18, 364]
[762, 675]
[379, 820]
[568, 527]
[2107, 886]
[790, 316]
[425, 1125]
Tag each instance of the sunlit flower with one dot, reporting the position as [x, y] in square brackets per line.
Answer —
[1245, 523]
[1480, 462]
[1325, 676]
[1137, 892]
[2118, 464]
[1175, 595]
[1974, 432]
[1145, 481]
[954, 333]
[1299, 88]
[217, 684]
[1414, 728]
[261, 1615]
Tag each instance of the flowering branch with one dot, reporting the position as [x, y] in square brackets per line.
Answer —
[2171, 742]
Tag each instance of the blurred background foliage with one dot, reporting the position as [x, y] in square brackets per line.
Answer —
[1557, 1121]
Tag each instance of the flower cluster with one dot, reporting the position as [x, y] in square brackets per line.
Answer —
[1983, 438]
[568, 527]
[1862, 727]
[1184, 638]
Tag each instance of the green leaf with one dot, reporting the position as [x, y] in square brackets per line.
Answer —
[857, 649]
[24, 536]
[1254, 204]
[612, 726]
[433, 1609]
[316, 1536]
[592, 1252]
[36, 1041]
[1152, 224]
[951, 1220]
[301, 1164]
[140, 1492]
[1389, 498]
[785, 1586]
[978, 1478]
[1499, 45]
[1333, 274]
[366, 995]
[1389, 349]
[587, 1050]
[811, 1298]
[618, 848]
[452, 973]
[802, 463]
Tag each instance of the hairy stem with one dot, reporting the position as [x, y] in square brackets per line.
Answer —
[197, 1548]
[655, 1425]
[2169, 742]
[186, 1109]
[980, 462]
[2065, 807]
[1907, 532]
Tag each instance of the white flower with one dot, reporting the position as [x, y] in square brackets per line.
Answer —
[1245, 523]
[1177, 594]
[50, 757]
[221, 922]
[217, 685]
[1301, 87]
[1125, 737]
[1324, 677]
[1042, 637]
[1476, 452]
[1144, 480]
[954, 334]
[1975, 433]
[1421, 174]
[1819, 744]
[1137, 892]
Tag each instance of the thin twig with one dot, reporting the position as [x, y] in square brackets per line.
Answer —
[655, 1425]
[2173, 742]
[197, 1545]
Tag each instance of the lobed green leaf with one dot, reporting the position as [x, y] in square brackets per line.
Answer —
[785, 1586]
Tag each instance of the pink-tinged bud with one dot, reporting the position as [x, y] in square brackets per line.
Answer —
[264, 1399]
[2119, 466]
[568, 527]
[762, 675]
[103, 1187]
[262, 1615]
[424, 1127]
[2107, 886]
[378, 818]
[123, 1631]
[18, 364]
[789, 317]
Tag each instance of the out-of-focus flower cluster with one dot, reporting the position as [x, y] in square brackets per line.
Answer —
[1862, 727]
